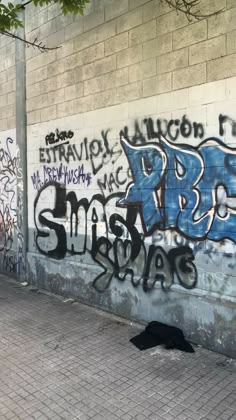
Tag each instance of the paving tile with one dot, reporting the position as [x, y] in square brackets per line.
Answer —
[73, 362]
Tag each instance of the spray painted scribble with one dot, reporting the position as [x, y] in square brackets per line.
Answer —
[10, 208]
[58, 136]
[63, 174]
[184, 188]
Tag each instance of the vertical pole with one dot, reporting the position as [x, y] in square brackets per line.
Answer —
[21, 150]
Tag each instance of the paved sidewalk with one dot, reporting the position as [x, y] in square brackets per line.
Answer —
[69, 361]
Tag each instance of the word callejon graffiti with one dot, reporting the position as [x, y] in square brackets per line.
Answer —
[112, 240]
[189, 189]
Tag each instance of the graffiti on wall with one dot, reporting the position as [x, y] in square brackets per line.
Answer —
[112, 240]
[58, 136]
[63, 174]
[10, 209]
[98, 152]
[159, 185]
[184, 188]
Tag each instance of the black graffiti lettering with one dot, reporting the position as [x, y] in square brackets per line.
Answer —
[95, 148]
[54, 152]
[172, 129]
[49, 139]
[223, 119]
[118, 180]
[86, 148]
[41, 155]
[137, 138]
[48, 155]
[185, 127]
[151, 133]
[70, 153]
[171, 123]
[198, 130]
[182, 263]
[130, 261]
[41, 221]
[104, 184]
[125, 133]
[158, 268]
[62, 154]
[78, 155]
[105, 142]
[111, 181]
[53, 138]
[98, 151]
[162, 130]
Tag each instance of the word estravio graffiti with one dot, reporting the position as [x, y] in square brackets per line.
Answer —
[58, 136]
[98, 152]
[112, 240]
[62, 174]
[190, 189]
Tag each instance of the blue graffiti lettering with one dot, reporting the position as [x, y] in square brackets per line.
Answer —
[190, 189]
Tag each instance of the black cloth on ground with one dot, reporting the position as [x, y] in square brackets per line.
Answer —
[157, 333]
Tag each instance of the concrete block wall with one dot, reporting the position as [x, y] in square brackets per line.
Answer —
[75, 249]
[7, 83]
[8, 157]
[116, 54]
[131, 163]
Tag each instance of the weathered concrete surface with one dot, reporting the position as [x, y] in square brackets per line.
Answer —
[205, 319]
[69, 361]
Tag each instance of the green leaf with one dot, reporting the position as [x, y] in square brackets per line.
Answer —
[9, 13]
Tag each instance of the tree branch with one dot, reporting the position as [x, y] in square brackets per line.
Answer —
[188, 7]
[25, 4]
[34, 44]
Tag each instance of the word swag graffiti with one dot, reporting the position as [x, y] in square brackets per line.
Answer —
[112, 239]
